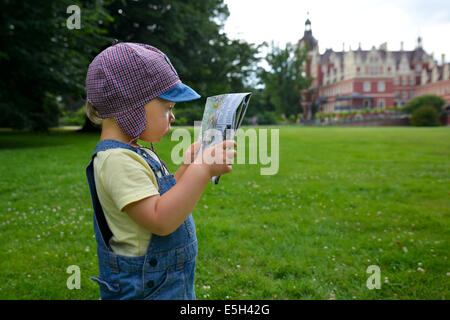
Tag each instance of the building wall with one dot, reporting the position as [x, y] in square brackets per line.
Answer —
[391, 78]
[440, 88]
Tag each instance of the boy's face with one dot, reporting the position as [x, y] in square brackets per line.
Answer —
[159, 116]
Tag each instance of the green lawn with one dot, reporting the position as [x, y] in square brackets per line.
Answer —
[343, 199]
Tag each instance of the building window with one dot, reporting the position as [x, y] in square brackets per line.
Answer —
[405, 95]
[381, 86]
[373, 70]
[366, 86]
[419, 67]
[366, 103]
[396, 81]
[381, 103]
[411, 81]
[404, 81]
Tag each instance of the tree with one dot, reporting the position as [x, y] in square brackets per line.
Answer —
[190, 34]
[285, 79]
[44, 63]
[42, 60]
[425, 100]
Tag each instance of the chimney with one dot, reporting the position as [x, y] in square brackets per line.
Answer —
[443, 58]
[401, 45]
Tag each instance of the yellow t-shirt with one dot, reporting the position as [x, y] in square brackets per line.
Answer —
[122, 177]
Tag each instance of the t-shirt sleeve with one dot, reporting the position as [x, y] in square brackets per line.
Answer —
[127, 178]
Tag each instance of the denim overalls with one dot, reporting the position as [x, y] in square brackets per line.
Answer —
[167, 269]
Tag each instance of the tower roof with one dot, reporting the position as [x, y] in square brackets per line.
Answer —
[308, 38]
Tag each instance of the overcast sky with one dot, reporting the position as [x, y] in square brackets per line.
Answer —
[346, 21]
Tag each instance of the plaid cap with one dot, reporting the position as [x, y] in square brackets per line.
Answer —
[123, 78]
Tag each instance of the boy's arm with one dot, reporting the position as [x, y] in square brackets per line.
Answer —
[162, 215]
[180, 171]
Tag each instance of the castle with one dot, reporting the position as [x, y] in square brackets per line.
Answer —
[376, 78]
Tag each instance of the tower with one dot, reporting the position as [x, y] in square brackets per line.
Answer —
[308, 38]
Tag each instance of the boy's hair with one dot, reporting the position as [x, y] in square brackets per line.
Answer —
[92, 113]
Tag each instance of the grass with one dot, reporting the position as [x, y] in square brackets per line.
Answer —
[343, 199]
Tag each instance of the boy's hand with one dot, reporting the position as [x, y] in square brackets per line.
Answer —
[218, 158]
[189, 154]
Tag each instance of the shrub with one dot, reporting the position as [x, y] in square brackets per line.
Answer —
[429, 100]
[267, 117]
[391, 109]
[75, 118]
[187, 116]
[425, 116]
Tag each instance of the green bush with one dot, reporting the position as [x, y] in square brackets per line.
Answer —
[425, 116]
[426, 100]
[75, 118]
[267, 117]
[187, 116]
[390, 108]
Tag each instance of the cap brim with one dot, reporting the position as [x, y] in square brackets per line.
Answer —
[180, 93]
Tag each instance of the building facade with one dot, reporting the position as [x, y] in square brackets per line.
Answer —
[376, 78]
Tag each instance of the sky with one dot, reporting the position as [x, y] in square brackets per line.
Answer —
[344, 23]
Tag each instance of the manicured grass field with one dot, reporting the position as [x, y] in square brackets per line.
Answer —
[343, 199]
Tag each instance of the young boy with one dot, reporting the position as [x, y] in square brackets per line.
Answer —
[145, 233]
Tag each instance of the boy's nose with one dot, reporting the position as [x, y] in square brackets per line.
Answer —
[171, 117]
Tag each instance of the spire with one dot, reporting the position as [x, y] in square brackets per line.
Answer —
[308, 38]
[419, 42]
[307, 23]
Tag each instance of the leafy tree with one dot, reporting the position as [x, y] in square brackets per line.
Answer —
[44, 64]
[42, 60]
[190, 33]
[425, 100]
[286, 78]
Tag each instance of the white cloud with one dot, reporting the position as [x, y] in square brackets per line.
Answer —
[348, 21]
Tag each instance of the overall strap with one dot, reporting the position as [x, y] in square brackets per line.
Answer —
[113, 144]
[100, 223]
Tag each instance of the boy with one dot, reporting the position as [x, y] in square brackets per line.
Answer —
[145, 233]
